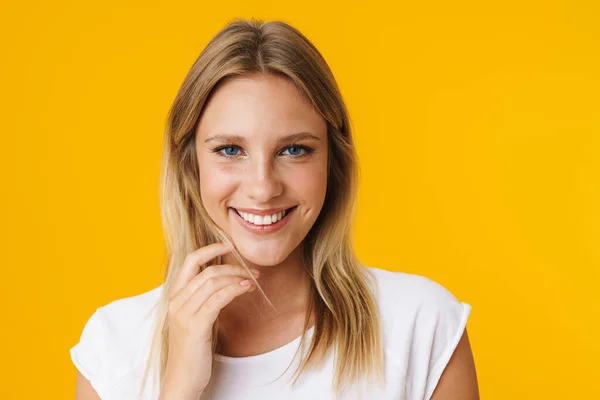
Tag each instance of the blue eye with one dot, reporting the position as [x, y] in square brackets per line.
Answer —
[229, 148]
[299, 148]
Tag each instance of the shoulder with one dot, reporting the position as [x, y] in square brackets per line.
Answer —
[115, 338]
[404, 299]
[422, 324]
[129, 313]
[415, 292]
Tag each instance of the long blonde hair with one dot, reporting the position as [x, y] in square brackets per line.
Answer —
[341, 295]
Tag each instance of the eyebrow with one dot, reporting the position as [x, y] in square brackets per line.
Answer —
[240, 139]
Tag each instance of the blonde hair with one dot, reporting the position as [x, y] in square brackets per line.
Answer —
[341, 298]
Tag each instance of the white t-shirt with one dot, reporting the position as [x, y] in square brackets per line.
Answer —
[422, 323]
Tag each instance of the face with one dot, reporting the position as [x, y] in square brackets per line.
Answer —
[262, 154]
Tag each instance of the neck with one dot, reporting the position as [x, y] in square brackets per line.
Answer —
[285, 284]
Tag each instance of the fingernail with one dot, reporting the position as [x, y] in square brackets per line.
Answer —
[255, 272]
[245, 283]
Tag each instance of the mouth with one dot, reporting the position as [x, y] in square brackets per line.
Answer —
[266, 220]
[263, 224]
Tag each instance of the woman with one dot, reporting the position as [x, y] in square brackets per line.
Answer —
[258, 190]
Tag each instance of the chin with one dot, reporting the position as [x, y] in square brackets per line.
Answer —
[264, 254]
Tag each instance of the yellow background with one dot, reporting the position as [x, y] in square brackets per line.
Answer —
[477, 128]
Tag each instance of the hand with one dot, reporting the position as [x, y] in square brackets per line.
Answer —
[194, 304]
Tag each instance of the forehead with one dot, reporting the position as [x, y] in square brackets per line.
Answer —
[259, 105]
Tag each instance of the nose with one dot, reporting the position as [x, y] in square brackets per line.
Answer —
[262, 181]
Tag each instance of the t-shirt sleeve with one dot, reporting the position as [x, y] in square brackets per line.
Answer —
[450, 320]
[91, 354]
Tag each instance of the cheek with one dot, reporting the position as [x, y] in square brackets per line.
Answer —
[216, 183]
[311, 183]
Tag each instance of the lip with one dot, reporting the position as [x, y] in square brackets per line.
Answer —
[263, 229]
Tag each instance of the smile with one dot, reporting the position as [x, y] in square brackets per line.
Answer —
[263, 224]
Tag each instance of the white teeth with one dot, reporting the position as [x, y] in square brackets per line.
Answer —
[260, 220]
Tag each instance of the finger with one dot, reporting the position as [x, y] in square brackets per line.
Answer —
[208, 289]
[193, 261]
[209, 273]
[211, 308]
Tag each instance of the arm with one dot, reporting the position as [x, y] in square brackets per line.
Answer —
[84, 390]
[459, 379]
